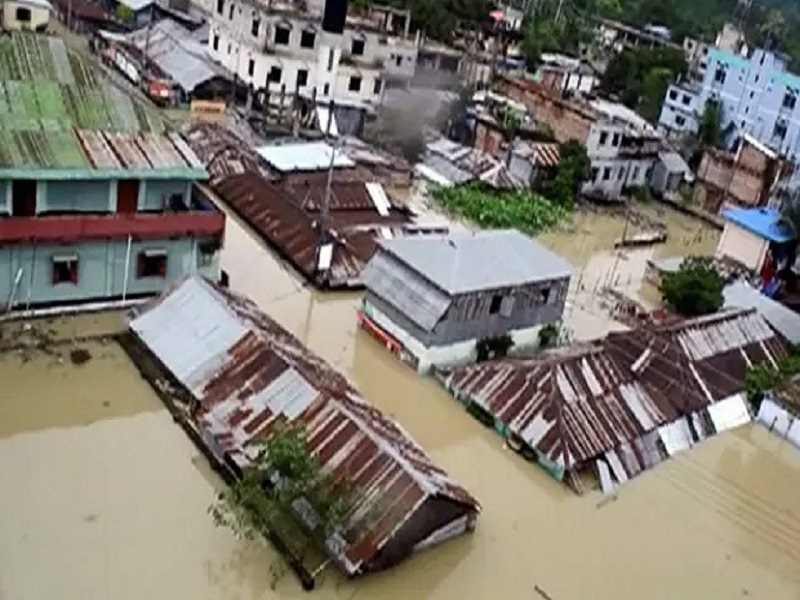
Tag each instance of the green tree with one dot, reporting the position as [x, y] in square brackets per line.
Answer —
[572, 170]
[264, 501]
[695, 288]
[710, 132]
[639, 77]
[123, 13]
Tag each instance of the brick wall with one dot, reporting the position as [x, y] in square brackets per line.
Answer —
[744, 186]
[567, 121]
[488, 139]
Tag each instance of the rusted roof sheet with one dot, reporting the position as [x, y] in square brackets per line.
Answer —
[248, 373]
[541, 154]
[222, 152]
[569, 407]
[286, 213]
[572, 406]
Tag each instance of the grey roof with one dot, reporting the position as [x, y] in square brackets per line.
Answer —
[447, 169]
[782, 319]
[179, 53]
[485, 260]
[417, 300]
[673, 162]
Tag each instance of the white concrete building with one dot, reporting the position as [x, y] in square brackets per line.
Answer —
[281, 47]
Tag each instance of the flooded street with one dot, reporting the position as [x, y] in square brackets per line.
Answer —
[103, 496]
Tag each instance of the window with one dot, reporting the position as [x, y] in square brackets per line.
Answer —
[23, 14]
[621, 173]
[230, 48]
[282, 36]
[687, 100]
[780, 130]
[615, 140]
[545, 295]
[719, 75]
[255, 26]
[680, 121]
[302, 78]
[606, 173]
[65, 269]
[215, 42]
[398, 60]
[357, 48]
[635, 176]
[595, 174]
[151, 263]
[274, 75]
[230, 12]
[673, 95]
[377, 88]
[220, 6]
[354, 85]
[330, 60]
[307, 39]
[790, 99]
[326, 89]
[494, 307]
[251, 67]
[603, 138]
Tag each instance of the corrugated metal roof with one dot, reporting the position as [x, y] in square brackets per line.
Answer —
[177, 53]
[247, 373]
[286, 211]
[784, 320]
[306, 156]
[96, 154]
[417, 300]
[46, 86]
[484, 260]
[763, 222]
[457, 164]
[541, 154]
[620, 398]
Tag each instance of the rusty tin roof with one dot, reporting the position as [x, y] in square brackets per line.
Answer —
[576, 404]
[286, 213]
[248, 373]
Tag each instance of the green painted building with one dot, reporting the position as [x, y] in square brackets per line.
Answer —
[97, 200]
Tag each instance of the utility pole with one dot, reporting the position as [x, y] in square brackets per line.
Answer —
[326, 200]
[147, 44]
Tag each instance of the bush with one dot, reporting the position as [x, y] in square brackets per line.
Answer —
[695, 288]
[493, 347]
[547, 336]
[520, 209]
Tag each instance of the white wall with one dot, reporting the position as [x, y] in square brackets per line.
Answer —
[742, 246]
[454, 354]
[233, 42]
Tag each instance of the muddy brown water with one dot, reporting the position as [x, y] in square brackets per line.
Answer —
[103, 496]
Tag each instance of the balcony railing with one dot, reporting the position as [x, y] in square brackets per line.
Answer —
[83, 227]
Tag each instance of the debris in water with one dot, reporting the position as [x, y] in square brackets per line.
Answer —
[80, 356]
[542, 593]
[91, 518]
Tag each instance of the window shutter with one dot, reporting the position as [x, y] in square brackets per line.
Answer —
[162, 266]
[73, 271]
[140, 265]
[55, 272]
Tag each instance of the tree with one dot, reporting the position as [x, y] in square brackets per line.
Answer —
[572, 170]
[710, 132]
[124, 13]
[695, 288]
[264, 501]
[640, 76]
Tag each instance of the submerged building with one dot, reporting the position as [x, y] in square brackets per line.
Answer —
[623, 405]
[433, 299]
[242, 374]
[97, 202]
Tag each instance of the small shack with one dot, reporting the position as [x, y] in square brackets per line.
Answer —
[444, 300]
[754, 237]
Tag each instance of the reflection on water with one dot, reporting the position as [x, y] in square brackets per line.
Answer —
[110, 501]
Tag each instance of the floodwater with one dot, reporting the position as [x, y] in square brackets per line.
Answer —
[102, 496]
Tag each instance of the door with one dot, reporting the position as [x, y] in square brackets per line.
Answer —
[127, 196]
[23, 198]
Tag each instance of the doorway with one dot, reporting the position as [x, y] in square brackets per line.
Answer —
[23, 198]
[127, 196]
